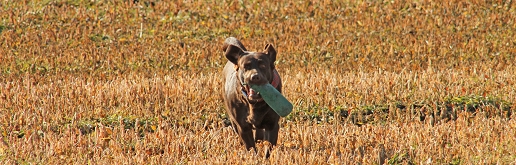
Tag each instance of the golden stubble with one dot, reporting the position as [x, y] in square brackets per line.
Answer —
[109, 82]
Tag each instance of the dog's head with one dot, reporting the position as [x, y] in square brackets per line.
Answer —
[252, 67]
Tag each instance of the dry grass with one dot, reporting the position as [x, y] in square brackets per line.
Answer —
[117, 82]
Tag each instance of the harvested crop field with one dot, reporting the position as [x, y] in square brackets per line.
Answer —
[372, 82]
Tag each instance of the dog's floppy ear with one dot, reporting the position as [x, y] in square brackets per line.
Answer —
[269, 49]
[233, 53]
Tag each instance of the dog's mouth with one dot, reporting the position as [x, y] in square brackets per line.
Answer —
[252, 94]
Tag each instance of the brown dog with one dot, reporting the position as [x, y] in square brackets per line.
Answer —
[246, 109]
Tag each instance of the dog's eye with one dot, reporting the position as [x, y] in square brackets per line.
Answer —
[261, 64]
[247, 66]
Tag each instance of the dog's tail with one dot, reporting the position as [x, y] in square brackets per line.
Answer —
[233, 41]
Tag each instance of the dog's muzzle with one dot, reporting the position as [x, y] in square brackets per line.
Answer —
[250, 93]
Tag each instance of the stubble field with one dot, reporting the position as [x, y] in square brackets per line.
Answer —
[139, 82]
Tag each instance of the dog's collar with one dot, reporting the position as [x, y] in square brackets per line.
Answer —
[275, 83]
[275, 79]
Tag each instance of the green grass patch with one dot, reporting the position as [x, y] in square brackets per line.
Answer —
[381, 113]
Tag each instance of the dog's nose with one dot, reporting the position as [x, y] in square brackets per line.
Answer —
[255, 77]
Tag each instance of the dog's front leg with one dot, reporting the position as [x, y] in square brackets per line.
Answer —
[259, 134]
[271, 135]
[246, 133]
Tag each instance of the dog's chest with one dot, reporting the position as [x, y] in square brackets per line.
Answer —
[257, 113]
